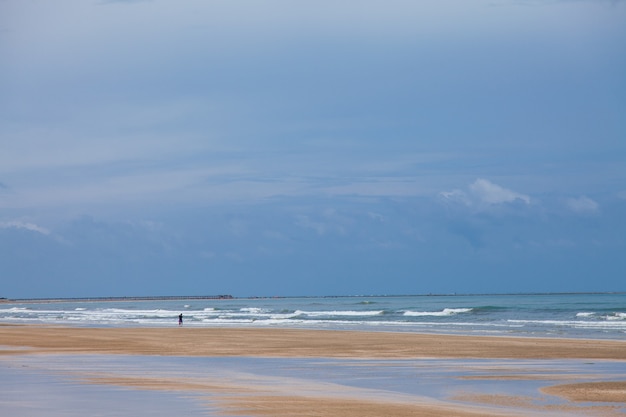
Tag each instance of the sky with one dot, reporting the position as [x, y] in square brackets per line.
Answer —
[285, 148]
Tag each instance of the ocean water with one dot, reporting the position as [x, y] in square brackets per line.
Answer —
[551, 315]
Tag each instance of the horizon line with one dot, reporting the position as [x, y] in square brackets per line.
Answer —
[230, 297]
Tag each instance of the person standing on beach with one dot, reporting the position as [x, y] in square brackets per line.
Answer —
[180, 319]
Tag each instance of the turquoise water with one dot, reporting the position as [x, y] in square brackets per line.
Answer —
[553, 315]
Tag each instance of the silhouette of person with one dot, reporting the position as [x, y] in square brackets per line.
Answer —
[180, 319]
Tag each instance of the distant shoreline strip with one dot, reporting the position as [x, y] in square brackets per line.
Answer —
[230, 297]
[96, 299]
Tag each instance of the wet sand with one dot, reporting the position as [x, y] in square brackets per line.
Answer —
[236, 398]
[298, 343]
[614, 391]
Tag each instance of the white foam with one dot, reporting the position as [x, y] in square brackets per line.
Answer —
[443, 313]
[14, 310]
[617, 316]
[253, 310]
[338, 313]
[575, 324]
[585, 314]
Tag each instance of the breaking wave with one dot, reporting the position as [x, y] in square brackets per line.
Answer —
[443, 313]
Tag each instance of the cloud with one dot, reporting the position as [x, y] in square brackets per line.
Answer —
[24, 225]
[457, 196]
[483, 193]
[491, 193]
[582, 205]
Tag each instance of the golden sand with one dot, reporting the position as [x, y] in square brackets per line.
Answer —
[613, 391]
[298, 343]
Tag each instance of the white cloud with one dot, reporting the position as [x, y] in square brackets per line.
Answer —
[457, 196]
[24, 225]
[491, 193]
[484, 193]
[582, 205]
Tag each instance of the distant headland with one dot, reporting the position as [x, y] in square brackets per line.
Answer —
[130, 298]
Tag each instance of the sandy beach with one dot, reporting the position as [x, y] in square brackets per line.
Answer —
[237, 398]
[298, 343]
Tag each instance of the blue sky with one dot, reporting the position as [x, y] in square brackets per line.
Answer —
[311, 148]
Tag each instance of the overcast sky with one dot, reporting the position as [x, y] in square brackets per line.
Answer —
[279, 147]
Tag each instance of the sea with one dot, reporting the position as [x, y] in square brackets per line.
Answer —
[594, 316]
